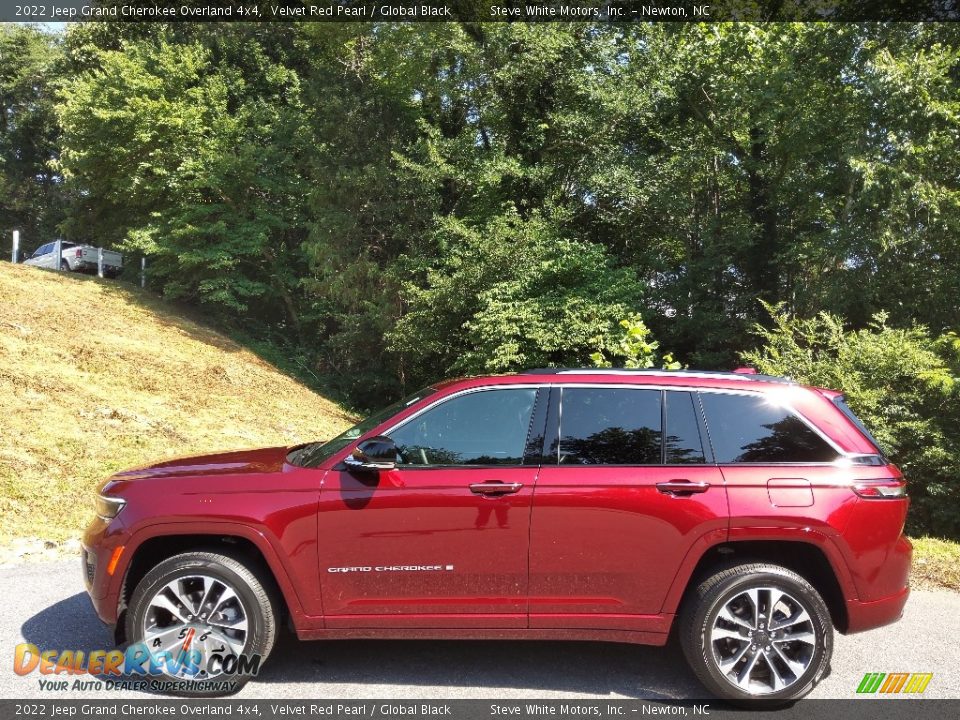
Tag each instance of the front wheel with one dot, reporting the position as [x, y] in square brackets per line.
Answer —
[757, 632]
[206, 621]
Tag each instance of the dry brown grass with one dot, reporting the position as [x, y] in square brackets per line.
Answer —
[936, 564]
[96, 376]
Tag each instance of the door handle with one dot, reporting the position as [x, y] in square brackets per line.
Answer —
[494, 488]
[682, 487]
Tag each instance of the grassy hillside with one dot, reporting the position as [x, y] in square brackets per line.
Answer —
[96, 376]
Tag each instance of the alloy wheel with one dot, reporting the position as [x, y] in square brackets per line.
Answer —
[196, 612]
[763, 640]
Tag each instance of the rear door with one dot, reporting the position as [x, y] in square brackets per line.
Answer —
[441, 541]
[627, 486]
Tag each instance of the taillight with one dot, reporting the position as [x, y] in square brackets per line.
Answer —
[79, 253]
[881, 489]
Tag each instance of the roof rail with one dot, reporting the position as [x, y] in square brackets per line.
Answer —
[718, 374]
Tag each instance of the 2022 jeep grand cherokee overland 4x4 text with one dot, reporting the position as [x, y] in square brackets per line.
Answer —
[577, 504]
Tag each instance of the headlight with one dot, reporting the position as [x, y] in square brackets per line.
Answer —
[108, 507]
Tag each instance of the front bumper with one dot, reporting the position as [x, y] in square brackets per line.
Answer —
[88, 561]
[97, 547]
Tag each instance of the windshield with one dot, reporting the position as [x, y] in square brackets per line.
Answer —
[312, 454]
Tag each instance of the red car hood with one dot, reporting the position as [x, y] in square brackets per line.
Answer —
[229, 463]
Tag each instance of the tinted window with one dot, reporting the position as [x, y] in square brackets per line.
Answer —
[43, 250]
[748, 428]
[841, 403]
[481, 428]
[682, 439]
[609, 426]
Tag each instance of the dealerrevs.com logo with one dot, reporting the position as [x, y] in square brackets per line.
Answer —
[135, 668]
[888, 683]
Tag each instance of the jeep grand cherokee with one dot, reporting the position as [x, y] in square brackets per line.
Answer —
[757, 514]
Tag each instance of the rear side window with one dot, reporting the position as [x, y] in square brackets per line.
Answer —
[682, 444]
[750, 429]
[841, 404]
[610, 426]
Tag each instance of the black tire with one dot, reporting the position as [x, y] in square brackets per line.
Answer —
[64, 266]
[260, 607]
[700, 614]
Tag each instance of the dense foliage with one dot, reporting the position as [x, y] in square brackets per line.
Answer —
[31, 198]
[389, 204]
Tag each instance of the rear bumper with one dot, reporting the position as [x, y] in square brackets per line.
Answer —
[91, 266]
[876, 613]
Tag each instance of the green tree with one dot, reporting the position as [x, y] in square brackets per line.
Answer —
[511, 295]
[189, 153]
[634, 349]
[31, 198]
[399, 201]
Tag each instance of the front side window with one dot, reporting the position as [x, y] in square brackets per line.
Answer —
[487, 427]
[43, 250]
[752, 429]
[609, 426]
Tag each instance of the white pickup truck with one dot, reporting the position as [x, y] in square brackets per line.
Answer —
[75, 258]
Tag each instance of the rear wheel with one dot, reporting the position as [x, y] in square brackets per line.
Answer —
[757, 632]
[203, 616]
[64, 266]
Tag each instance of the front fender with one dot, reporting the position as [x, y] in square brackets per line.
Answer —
[267, 546]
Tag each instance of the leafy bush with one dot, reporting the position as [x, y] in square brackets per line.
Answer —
[632, 349]
[902, 383]
[512, 294]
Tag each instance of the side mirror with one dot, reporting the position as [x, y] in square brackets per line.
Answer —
[376, 453]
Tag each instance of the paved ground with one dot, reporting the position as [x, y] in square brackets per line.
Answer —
[45, 604]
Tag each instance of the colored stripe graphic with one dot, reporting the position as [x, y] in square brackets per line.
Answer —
[918, 682]
[895, 681]
[870, 682]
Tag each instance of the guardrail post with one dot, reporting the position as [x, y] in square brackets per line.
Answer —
[58, 255]
[15, 255]
[99, 262]
[143, 272]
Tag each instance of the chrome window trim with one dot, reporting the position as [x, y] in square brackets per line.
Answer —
[844, 458]
[661, 373]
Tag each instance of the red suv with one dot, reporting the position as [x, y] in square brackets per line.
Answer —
[571, 504]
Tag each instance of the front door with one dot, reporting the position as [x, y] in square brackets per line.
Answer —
[625, 490]
[441, 541]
